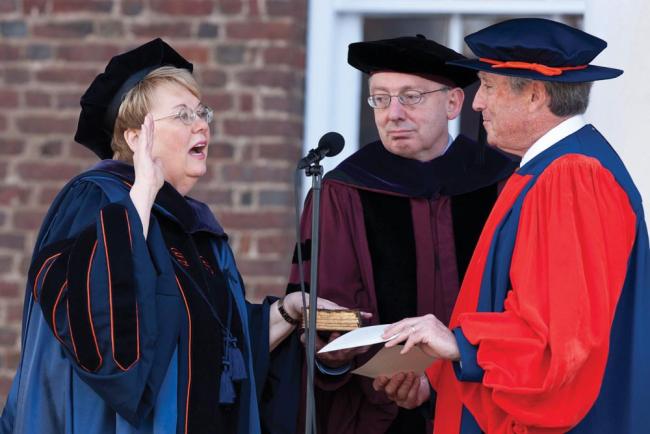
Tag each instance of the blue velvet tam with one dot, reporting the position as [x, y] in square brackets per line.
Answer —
[101, 101]
[538, 49]
[415, 55]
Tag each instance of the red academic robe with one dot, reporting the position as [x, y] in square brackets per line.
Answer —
[549, 319]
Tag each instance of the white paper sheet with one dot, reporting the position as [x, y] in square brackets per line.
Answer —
[389, 361]
[358, 338]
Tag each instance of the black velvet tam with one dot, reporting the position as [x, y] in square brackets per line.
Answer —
[101, 101]
[409, 54]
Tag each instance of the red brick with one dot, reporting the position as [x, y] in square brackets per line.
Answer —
[3, 123]
[220, 150]
[231, 7]
[71, 29]
[261, 30]
[7, 6]
[8, 98]
[262, 127]
[47, 171]
[3, 169]
[282, 152]
[37, 99]
[193, 53]
[285, 104]
[5, 384]
[28, 219]
[109, 29]
[290, 56]
[15, 312]
[11, 146]
[280, 244]
[82, 76]
[213, 77]
[6, 264]
[246, 102]
[8, 337]
[34, 6]
[9, 52]
[11, 359]
[45, 124]
[253, 8]
[16, 75]
[275, 198]
[251, 173]
[175, 29]
[12, 241]
[243, 243]
[183, 7]
[270, 78]
[263, 267]
[82, 5]
[132, 7]
[11, 195]
[257, 289]
[288, 8]
[211, 195]
[255, 219]
[9, 289]
[88, 52]
[51, 148]
[68, 100]
[82, 153]
[218, 101]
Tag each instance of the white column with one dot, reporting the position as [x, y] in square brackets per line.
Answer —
[332, 86]
[619, 108]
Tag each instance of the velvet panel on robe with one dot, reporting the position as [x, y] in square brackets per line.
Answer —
[551, 319]
[395, 235]
[119, 333]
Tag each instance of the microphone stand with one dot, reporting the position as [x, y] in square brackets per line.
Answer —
[315, 170]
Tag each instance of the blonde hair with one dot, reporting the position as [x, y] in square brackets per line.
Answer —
[137, 103]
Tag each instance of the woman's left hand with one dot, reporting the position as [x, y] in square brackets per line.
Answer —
[427, 332]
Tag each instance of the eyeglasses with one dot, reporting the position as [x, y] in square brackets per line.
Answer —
[408, 97]
[188, 116]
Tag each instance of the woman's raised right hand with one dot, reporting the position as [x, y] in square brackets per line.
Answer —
[149, 174]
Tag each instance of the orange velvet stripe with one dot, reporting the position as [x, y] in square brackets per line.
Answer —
[549, 71]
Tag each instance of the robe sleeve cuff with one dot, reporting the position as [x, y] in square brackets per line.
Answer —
[467, 369]
[327, 370]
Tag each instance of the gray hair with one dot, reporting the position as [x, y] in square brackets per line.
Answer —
[566, 99]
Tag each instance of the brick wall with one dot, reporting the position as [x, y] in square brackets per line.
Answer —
[249, 56]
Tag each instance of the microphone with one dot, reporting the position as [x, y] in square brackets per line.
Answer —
[329, 145]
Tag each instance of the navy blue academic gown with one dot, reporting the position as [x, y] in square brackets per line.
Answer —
[123, 334]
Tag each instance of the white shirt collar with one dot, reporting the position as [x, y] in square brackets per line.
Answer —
[552, 136]
[450, 140]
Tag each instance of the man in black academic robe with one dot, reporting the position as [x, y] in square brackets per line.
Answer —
[399, 219]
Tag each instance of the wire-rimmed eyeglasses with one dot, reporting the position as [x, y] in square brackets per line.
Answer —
[188, 115]
[408, 97]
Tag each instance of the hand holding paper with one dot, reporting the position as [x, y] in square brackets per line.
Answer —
[387, 361]
[425, 332]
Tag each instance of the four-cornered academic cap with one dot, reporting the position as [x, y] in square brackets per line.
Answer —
[100, 103]
[409, 54]
[539, 49]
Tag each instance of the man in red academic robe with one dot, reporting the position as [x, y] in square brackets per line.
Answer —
[399, 218]
[550, 332]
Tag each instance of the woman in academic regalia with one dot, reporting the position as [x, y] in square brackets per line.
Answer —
[134, 318]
